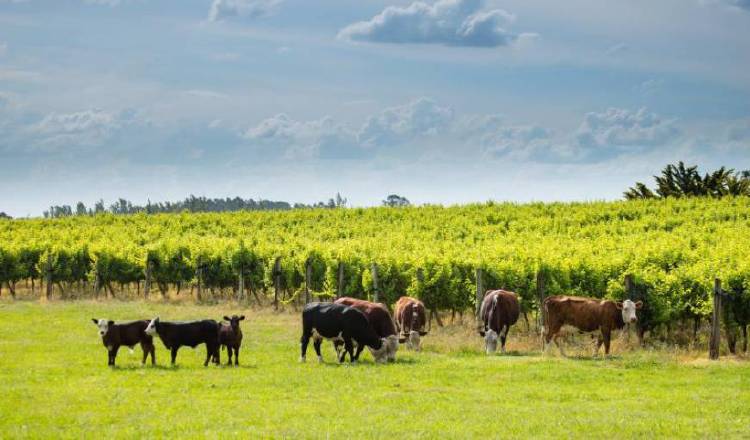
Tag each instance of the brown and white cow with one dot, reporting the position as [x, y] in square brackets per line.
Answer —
[587, 315]
[500, 310]
[380, 320]
[410, 321]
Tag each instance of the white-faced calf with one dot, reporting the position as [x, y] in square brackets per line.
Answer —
[128, 334]
[230, 337]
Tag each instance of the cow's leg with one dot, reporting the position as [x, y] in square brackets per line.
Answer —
[174, 354]
[145, 350]
[503, 338]
[559, 345]
[304, 341]
[607, 338]
[114, 354]
[317, 342]
[237, 355]
[338, 345]
[360, 347]
[350, 349]
[152, 348]
[110, 357]
[599, 341]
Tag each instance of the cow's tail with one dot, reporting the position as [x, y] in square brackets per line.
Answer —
[545, 313]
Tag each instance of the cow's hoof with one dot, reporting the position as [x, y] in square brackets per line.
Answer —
[302, 360]
[320, 359]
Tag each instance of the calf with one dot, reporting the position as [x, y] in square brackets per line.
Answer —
[587, 315]
[230, 336]
[380, 320]
[499, 311]
[340, 322]
[410, 321]
[176, 334]
[128, 334]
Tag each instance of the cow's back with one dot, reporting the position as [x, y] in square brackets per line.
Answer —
[506, 309]
[582, 313]
[376, 313]
[133, 332]
[406, 307]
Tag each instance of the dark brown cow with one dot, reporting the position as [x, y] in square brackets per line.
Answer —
[499, 311]
[587, 315]
[380, 320]
[410, 321]
[230, 337]
[128, 334]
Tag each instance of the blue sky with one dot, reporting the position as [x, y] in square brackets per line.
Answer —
[443, 102]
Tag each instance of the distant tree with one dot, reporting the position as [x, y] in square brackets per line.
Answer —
[5, 216]
[395, 201]
[81, 209]
[99, 207]
[685, 181]
[338, 202]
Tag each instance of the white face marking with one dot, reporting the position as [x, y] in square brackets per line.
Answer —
[103, 325]
[490, 341]
[380, 354]
[392, 343]
[414, 341]
[628, 311]
[151, 328]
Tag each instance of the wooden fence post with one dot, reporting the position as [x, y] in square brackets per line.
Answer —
[714, 342]
[48, 275]
[147, 281]
[540, 298]
[340, 286]
[241, 284]
[199, 290]
[308, 280]
[276, 282]
[480, 296]
[375, 288]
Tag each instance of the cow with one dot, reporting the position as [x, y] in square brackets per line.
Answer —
[340, 322]
[380, 320]
[587, 315]
[230, 337]
[193, 333]
[410, 321]
[128, 334]
[499, 311]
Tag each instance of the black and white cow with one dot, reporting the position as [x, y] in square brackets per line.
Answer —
[128, 334]
[339, 322]
[177, 334]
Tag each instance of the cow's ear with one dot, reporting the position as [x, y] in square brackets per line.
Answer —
[481, 333]
[422, 333]
[638, 304]
[110, 323]
[242, 317]
[618, 304]
[226, 318]
[96, 321]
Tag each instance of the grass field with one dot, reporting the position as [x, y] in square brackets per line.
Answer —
[55, 383]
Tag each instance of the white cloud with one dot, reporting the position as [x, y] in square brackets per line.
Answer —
[224, 9]
[421, 117]
[446, 22]
[85, 128]
[622, 129]
[322, 138]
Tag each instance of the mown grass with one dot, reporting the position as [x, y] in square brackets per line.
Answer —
[55, 383]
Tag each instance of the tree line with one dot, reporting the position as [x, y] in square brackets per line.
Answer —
[681, 180]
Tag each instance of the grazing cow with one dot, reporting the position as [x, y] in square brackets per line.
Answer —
[410, 321]
[230, 336]
[499, 311]
[128, 334]
[380, 320]
[587, 315]
[176, 334]
[340, 322]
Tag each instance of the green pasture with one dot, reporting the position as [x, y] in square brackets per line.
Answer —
[55, 384]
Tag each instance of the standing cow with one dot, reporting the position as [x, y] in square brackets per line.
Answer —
[177, 334]
[230, 337]
[380, 320]
[410, 321]
[499, 311]
[587, 315]
[339, 322]
[128, 334]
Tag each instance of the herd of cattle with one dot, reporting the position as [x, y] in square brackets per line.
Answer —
[353, 324]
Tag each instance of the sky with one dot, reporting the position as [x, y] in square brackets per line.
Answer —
[448, 101]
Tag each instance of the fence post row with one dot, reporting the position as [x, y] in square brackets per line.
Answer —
[48, 276]
[308, 279]
[147, 282]
[200, 283]
[715, 340]
[241, 293]
[276, 282]
[375, 288]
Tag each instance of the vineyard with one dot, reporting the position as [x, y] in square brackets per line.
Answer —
[673, 249]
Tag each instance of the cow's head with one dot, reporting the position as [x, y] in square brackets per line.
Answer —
[628, 309]
[151, 327]
[103, 325]
[490, 341]
[392, 343]
[413, 341]
[380, 354]
[234, 321]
